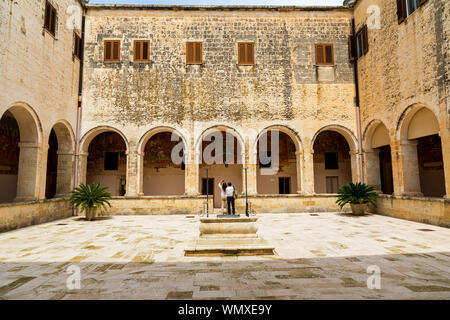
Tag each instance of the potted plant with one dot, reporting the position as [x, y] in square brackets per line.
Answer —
[90, 198]
[358, 196]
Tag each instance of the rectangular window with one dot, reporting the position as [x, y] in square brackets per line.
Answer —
[194, 52]
[112, 51]
[324, 54]
[77, 45]
[411, 6]
[141, 50]
[246, 53]
[111, 161]
[284, 185]
[50, 18]
[208, 187]
[332, 184]
[406, 7]
[331, 161]
[359, 44]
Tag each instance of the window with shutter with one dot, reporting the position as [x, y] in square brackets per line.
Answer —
[352, 48]
[77, 46]
[401, 10]
[50, 18]
[324, 54]
[246, 53]
[365, 40]
[112, 51]
[141, 50]
[194, 52]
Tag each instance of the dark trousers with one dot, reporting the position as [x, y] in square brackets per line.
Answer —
[230, 201]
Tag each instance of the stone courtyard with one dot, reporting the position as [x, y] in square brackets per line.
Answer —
[318, 256]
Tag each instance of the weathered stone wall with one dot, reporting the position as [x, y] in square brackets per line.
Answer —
[282, 87]
[405, 69]
[39, 84]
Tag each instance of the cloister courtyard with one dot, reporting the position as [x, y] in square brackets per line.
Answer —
[318, 256]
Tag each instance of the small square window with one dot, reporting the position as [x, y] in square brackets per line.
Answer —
[111, 161]
[324, 54]
[50, 18]
[194, 52]
[246, 53]
[112, 51]
[77, 46]
[331, 161]
[141, 51]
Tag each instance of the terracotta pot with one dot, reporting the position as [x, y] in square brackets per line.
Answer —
[91, 214]
[358, 209]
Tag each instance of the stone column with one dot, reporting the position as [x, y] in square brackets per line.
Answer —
[307, 172]
[445, 142]
[191, 174]
[372, 168]
[134, 173]
[28, 175]
[82, 167]
[354, 162]
[64, 176]
[406, 165]
[298, 167]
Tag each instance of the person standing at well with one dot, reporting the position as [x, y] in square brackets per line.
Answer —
[230, 197]
[223, 195]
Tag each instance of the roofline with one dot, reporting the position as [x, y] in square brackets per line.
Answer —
[212, 7]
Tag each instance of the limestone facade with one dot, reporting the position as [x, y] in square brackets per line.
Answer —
[127, 106]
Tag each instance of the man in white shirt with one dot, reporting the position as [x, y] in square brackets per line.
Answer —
[230, 198]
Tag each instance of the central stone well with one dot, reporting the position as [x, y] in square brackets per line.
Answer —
[229, 236]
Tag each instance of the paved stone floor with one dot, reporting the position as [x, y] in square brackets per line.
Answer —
[323, 256]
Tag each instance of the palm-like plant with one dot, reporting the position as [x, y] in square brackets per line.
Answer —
[90, 198]
[358, 193]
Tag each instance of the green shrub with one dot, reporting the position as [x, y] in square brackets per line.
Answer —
[358, 193]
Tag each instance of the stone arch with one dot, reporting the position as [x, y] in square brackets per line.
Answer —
[377, 156]
[378, 130]
[28, 169]
[112, 172]
[282, 128]
[345, 132]
[225, 128]
[287, 177]
[419, 153]
[91, 134]
[150, 133]
[407, 118]
[60, 156]
[161, 179]
[332, 166]
[28, 121]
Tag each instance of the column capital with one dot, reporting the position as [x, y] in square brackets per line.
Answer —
[30, 145]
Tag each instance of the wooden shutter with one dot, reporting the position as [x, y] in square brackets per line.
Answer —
[422, 2]
[77, 46]
[246, 53]
[324, 54]
[329, 54]
[137, 51]
[50, 18]
[194, 52]
[116, 51]
[112, 51]
[365, 39]
[401, 10]
[146, 50]
[352, 48]
[198, 52]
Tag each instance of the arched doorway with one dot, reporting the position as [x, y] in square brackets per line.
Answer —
[9, 157]
[164, 172]
[282, 176]
[221, 155]
[332, 162]
[107, 162]
[59, 178]
[378, 159]
[421, 153]
[20, 136]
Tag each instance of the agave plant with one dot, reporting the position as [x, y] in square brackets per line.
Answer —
[356, 194]
[90, 198]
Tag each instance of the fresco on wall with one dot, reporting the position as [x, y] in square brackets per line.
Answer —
[330, 141]
[9, 144]
[158, 150]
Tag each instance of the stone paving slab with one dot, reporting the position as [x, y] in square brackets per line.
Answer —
[142, 257]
